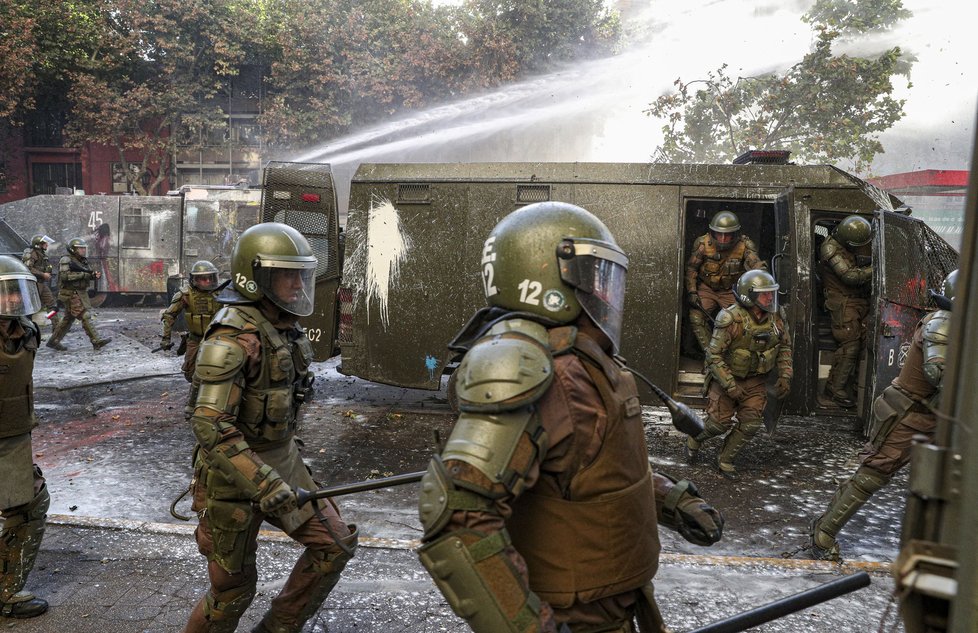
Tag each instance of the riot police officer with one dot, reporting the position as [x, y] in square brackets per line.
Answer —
[75, 274]
[548, 457]
[846, 272]
[198, 300]
[253, 375]
[717, 261]
[24, 496]
[904, 409]
[750, 340]
[37, 262]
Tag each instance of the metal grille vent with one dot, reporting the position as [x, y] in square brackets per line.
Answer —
[917, 259]
[419, 193]
[316, 227]
[527, 194]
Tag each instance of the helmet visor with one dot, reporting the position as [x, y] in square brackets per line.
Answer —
[204, 281]
[19, 297]
[290, 285]
[597, 273]
[766, 300]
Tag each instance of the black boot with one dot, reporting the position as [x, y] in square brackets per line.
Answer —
[100, 343]
[23, 605]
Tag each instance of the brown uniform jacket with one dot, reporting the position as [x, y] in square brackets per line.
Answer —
[720, 269]
[573, 415]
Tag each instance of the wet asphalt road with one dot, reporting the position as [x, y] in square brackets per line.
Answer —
[116, 451]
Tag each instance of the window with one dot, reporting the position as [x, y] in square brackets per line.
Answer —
[121, 184]
[47, 177]
[201, 217]
[135, 229]
[3, 177]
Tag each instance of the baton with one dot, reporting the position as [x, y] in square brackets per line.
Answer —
[305, 496]
[683, 418]
[786, 606]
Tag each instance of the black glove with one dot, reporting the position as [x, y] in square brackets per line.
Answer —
[279, 499]
[166, 343]
[863, 260]
[697, 521]
[694, 300]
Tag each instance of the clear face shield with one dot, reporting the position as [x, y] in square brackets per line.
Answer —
[596, 270]
[724, 240]
[766, 298]
[289, 284]
[19, 296]
[205, 281]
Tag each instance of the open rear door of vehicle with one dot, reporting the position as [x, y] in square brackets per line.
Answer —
[784, 273]
[302, 196]
[909, 258]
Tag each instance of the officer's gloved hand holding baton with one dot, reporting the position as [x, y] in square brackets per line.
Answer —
[699, 522]
[694, 300]
[166, 343]
[279, 499]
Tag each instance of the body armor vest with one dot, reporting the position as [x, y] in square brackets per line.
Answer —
[720, 270]
[72, 279]
[38, 260]
[755, 351]
[601, 537]
[270, 403]
[201, 308]
[17, 384]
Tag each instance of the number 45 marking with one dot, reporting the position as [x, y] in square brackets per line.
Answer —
[95, 220]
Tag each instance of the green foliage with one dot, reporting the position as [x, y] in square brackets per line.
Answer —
[40, 44]
[149, 77]
[826, 108]
[158, 79]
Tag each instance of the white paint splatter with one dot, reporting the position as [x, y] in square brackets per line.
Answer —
[387, 246]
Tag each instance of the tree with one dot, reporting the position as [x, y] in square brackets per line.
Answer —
[826, 108]
[158, 80]
[346, 63]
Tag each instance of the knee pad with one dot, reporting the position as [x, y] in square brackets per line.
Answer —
[334, 558]
[229, 605]
[750, 427]
[37, 509]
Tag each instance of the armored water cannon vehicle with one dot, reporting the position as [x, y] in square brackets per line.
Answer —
[414, 240]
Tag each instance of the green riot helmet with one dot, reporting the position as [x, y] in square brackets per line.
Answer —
[554, 259]
[757, 288]
[41, 242]
[854, 230]
[77, 247]
[725, 229]
[18, 289]
[945, 298]
[203, 275]
[275, 261]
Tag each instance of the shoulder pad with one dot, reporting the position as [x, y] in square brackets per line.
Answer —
[700, 241]
[937, 327]
[219, 360]
[230, 316]
[503, 373]
[749, 243]
[725, 317]
[829, 248]
[178, 296]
